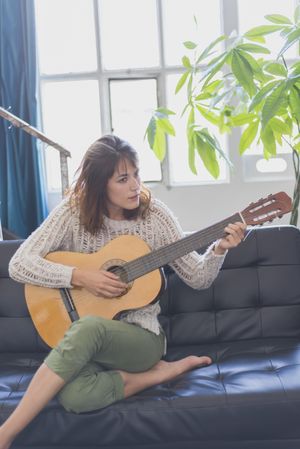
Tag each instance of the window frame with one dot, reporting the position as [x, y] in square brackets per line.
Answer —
[229, 22]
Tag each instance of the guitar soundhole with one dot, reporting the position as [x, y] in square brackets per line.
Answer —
[115, 266]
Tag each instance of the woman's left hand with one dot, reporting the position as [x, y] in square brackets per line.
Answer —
[235, 234]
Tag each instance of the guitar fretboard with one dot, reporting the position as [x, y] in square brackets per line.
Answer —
[166, 254]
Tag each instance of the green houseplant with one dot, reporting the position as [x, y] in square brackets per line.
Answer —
[241, 86]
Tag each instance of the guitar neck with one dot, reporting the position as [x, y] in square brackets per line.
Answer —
[166, 254]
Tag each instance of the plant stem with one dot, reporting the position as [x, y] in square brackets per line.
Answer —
[296, 193]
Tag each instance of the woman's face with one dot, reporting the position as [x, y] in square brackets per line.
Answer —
[123, 189]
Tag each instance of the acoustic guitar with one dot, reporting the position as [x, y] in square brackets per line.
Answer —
[53, 310]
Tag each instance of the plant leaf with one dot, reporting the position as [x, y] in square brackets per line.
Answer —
[292, 38]
[150, 132]
[294, 102]
[248, 136]
[279, 126]
[243, 72]
[261, 94]
[191, 143]
[262, 30]
[297, 14]
[278, 18]
[268, 141]
[186, 62]
[256, 68]
[212, 87]
[181, 81]
[206, 51]
[159, 146]
[184, 109]
[212, 69]
[165, 111]
[166, 126]
[203, 96]
[278, 138]
[254, 48]
[209, 115]
[215, 144]
[241, 119]
[190, 85]
[295, 69]
[273, 102]
[259, 39]
[190, 45]
[208, 155]
[275, 68]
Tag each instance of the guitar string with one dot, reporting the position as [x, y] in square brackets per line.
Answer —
[158, 258]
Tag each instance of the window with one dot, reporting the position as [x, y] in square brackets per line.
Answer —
[179, 25]
[129, 38]
[131, 104]
[71, 116]
[103, 71]
[250, 14]
[66, 36]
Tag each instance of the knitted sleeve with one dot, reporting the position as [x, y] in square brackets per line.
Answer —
[55, 233]
[196, 270]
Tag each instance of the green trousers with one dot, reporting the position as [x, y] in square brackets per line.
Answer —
[92, 351]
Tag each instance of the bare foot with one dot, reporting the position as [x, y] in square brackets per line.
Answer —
[169, 370]
[159, 373]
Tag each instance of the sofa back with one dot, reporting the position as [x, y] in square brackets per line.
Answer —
[17, 332]
[256, 295]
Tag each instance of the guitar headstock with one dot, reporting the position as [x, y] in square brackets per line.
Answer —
[266, 209]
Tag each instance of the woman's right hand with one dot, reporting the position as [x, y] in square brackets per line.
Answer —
[99, 282]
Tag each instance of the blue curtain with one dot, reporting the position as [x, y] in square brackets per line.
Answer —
[22, 191]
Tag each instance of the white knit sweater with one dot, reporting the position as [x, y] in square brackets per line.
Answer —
[62, 231]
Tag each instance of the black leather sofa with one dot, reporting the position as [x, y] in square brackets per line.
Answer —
[249, 398]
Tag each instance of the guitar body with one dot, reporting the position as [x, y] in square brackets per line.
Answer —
[48, 311]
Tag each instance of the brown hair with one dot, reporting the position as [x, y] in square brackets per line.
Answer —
[98, 165]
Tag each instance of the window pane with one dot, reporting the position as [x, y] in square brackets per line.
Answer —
[178, 154]
[251, 14]
[71, 116]
[279, 168]
[66, 36]
[179, 26]
[132, 103]
[129, 35]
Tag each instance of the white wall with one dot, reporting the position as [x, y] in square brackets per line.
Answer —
[200, 206]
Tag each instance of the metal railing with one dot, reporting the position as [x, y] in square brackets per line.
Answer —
[63, 153]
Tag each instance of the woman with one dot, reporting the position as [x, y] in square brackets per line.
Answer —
[101, 361]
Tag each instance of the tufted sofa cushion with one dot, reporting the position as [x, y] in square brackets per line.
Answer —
[256, 294]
